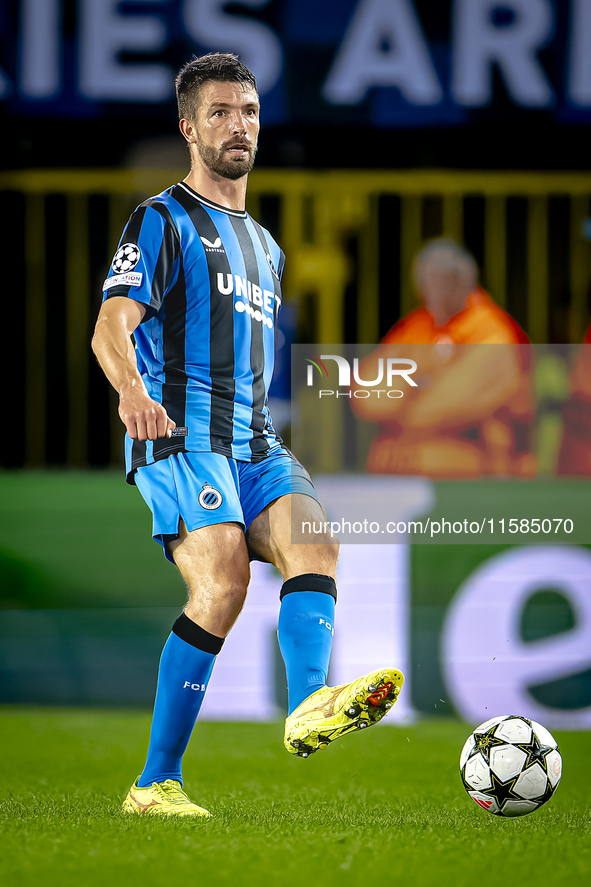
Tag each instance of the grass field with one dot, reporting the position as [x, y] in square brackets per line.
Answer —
[384, 806]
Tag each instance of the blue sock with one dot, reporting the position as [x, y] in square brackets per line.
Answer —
[185, 668]
[305, 633]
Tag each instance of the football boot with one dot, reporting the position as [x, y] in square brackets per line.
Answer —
[332, 712]
[161, 799]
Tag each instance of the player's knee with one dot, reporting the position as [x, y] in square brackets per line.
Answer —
[325, 550]
[231, 575]
[332, 548]
[240, 576]
[328, 544]
[219, 595]
[320, 558]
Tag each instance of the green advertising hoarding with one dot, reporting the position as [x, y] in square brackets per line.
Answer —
[88, 600]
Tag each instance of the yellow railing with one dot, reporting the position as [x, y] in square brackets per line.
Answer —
[317, 212]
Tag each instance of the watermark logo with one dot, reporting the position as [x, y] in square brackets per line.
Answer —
[388, 371]
[314, 361]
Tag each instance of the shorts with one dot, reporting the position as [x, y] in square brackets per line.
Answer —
[206, 488]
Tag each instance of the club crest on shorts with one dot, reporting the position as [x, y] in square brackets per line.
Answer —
[210, 498]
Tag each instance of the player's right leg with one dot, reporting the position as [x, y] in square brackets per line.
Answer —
[193, 500]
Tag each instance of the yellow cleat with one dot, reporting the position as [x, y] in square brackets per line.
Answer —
[332, 712]
[161, 799]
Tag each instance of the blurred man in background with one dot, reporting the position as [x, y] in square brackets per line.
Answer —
[470, 415]
[454, 308]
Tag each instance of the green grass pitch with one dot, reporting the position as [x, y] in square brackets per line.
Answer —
[381, 807]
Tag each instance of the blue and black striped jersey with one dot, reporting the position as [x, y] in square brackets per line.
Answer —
[210, 279]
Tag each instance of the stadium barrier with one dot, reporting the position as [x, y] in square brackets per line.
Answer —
[350, 237]
[87, 601]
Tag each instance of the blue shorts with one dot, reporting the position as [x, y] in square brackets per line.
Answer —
[207, 488]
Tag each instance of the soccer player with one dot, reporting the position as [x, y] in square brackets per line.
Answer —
[196, 281]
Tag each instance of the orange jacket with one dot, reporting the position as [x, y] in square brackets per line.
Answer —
[480, 322]
[471, 417]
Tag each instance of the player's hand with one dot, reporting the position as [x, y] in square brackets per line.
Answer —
[144, 418]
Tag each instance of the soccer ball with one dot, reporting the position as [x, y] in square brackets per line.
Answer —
[510, 765]
[126, 258]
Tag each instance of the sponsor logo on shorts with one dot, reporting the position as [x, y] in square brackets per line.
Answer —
[210, 498]
[132, 278]
[179, 431]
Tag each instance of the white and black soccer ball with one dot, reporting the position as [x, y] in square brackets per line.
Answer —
[126, 258]
[510, 765]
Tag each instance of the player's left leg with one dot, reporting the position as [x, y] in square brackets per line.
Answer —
[308, 595]
[268, 491]
[317, 714]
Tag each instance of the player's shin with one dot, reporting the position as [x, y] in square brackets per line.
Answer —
[185, 668]
[305, 632]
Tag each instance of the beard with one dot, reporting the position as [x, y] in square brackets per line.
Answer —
[215, 160]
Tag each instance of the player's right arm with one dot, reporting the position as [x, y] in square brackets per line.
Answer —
[144, 418]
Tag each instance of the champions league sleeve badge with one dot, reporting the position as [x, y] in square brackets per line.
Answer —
[126, 258]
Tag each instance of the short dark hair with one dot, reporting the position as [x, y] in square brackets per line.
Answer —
[219, 66]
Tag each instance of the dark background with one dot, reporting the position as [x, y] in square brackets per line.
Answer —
[300, 128]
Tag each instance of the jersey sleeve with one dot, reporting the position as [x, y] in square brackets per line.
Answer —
[146, 262]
